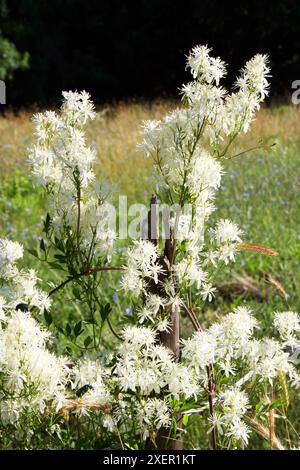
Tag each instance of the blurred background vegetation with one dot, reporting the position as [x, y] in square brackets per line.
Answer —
[118, 49]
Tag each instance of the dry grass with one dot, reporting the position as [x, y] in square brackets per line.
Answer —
[116, 131]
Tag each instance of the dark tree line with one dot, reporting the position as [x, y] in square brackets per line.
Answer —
[123, 49]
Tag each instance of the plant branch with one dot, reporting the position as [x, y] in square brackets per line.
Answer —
[78, 223]
[87, 272]
[258, 147]
[96, 269]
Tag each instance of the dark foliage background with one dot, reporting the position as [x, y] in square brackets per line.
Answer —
[131, 49]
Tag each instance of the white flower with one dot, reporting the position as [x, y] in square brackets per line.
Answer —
[142, 255]
[181, 226]
[227, 367]
[92, 373]
[28, 367]
[205, 68]
[154, 271]
[227, 253]
[163, 325]
[189, 270]
[200, 350]
[234, 403]
[288, 324]
[217, 421]
[63, 163]
[226, 231]
[267, 358]
[150, 310]
[239, 431]
[23, 289]
[233, 333]
[208, 292]
[2, 308]
[151, 134]
[10, 252]
[162, 355]
[77, 107]
[132, 281]
[138, 337]
[204, 172]
[153, 414]
[182, 381]
[254, 76]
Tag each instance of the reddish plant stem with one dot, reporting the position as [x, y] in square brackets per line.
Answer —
[211, 395]
[95, 269]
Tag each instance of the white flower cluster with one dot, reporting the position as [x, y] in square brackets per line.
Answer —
[17, 287]
[31, 376]
[143, 371]
[288, 325]
[234, 404]
[10, 252]
[144, 267]
[62, 162]
[153, 414]
[230, 343]
[91, 374]
[140, 367]
[212, 113]
[187, 167]
[227, 235]
[186, 148]
[60, 146]
[229, 346]
[205, 68]
[146, 367]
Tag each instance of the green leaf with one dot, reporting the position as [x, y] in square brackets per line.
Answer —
[105, 311]
[48, 317]
[185, 419]
[47, 224]
[60, 258]
[33, 253]
[76, 292]
[259, 406]
[276, 404]
[68, 329]
[42, 245]
[55, 266]
[78, 329]
[87, 341]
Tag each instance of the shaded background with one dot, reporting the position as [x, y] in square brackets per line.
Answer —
[136, 49]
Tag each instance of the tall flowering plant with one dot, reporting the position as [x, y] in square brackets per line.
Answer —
[144, 392]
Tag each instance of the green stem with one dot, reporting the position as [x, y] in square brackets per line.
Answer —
[88, 272]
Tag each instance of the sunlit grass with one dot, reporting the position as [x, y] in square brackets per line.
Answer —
[115, 134]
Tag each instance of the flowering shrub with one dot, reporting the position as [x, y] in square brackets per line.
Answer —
[141, 393]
